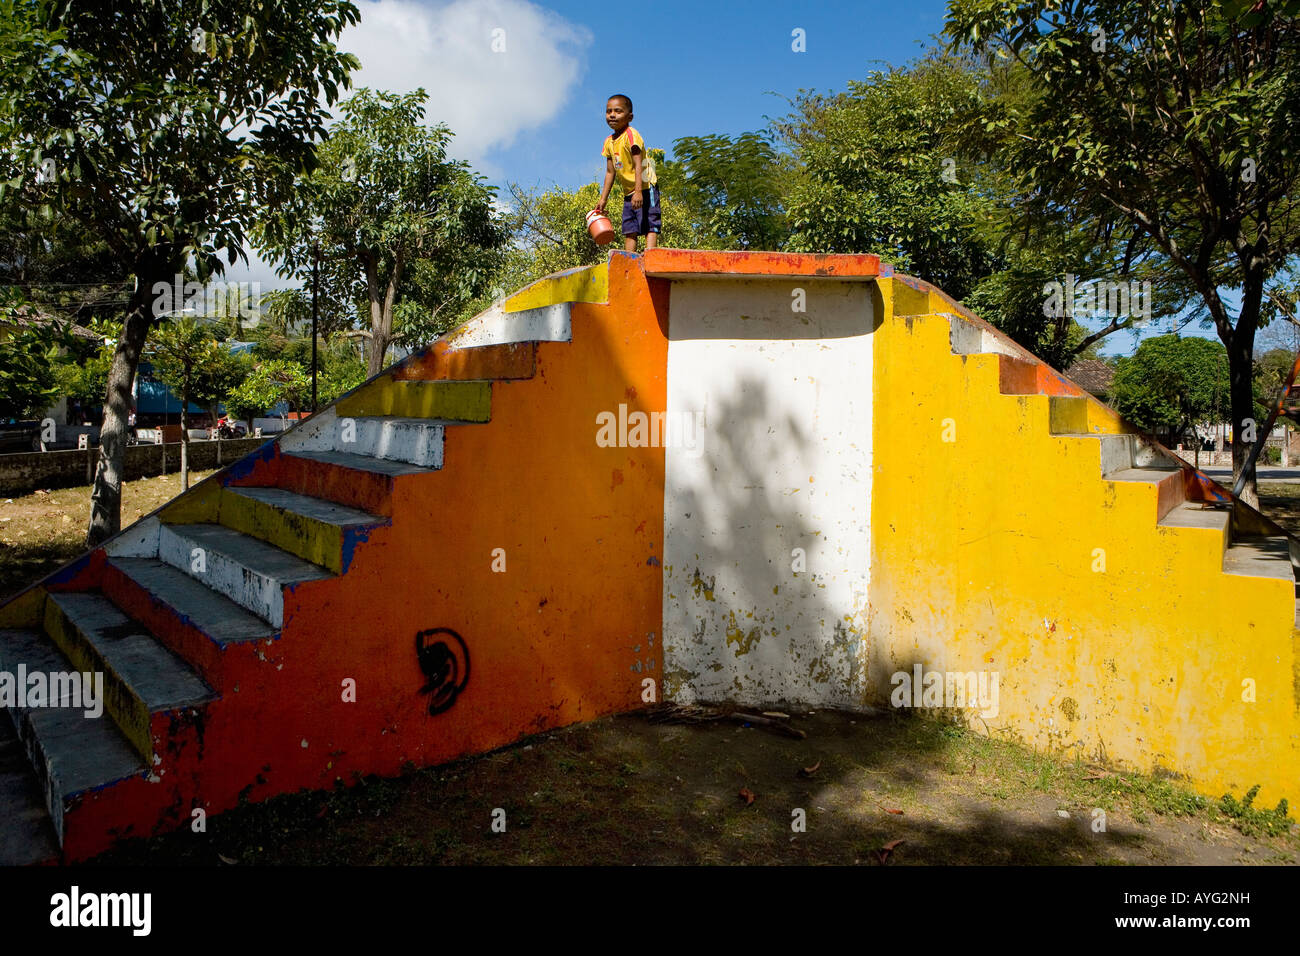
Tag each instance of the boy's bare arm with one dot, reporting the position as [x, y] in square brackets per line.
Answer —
[609, 183]
[636, 186]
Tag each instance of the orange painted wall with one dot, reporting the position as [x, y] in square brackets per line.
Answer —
[566, 634]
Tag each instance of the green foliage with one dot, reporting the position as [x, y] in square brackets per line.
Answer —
[1167, 129]
[29, 353]
[269, 383]
[1172, 383]
[878, 173]
[391, 217]
[28, 384]
[1271, 371]
[144, 136]
[85, 382]
[732, 188]
[1012, 299]
[1252, 821]
[342, 370]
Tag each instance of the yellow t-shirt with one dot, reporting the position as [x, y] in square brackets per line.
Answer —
[621, 153]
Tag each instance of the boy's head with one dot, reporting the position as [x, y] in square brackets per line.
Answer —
[618, 111]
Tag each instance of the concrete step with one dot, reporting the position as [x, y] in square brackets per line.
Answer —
[416, 441]
[71, 753]
[219, 618]
[1194, 514]
[1018, 376]
[141, 676]
[354, 481]
[446, 401]
[495, 326]
[1122, 452]
[1170, 486]
[1068, 415]
[361, 463]
[1259, 556]
[316, 530]
[1210, 524]
[193, 620]
[29, 836]
[250, 572]
[970, 338]
[441, 360]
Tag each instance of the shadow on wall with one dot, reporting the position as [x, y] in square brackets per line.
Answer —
[767, 517]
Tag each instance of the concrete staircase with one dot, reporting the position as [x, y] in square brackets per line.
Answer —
[1234, 538]
[177, 612]
[1136, 612]
[449, 558]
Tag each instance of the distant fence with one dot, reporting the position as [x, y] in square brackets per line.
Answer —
[26, 472]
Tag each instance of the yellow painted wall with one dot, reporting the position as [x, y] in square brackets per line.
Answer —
[983, 557]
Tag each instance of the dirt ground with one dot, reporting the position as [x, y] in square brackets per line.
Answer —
[626, 790]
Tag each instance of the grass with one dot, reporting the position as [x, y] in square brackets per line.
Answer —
[41, 532]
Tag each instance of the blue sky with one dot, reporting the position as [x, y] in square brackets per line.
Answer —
[523, 84]
[709, 68]
[533, 112]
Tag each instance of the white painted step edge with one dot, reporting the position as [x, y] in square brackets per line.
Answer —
[495, 326]
[259, 593]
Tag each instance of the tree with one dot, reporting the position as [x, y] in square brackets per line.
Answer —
[734, 189]
[388, 210]
[878, 172]
[196, 368]
[1170, 126]
[1171, 384]
[158, 128]
[267, 385]
[28, 357]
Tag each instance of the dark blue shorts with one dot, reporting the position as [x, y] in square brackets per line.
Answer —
[638, 222]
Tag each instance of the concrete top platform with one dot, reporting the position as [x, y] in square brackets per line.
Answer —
[700, 264]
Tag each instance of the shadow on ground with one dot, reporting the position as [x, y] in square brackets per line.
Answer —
[623, 790]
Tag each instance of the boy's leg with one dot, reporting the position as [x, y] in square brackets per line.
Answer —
[652, 219]
[631, 225]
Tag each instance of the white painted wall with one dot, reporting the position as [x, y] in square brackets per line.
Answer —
[783, 461]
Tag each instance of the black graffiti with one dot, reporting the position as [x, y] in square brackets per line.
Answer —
[445, 665]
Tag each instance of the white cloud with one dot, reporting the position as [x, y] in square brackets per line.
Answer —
[486, 97]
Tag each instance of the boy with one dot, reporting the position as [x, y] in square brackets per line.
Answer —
[625, 157]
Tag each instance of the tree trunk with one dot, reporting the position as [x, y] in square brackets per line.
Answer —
[106, 494]
[185, 440]
[1241, 371]
[381, 312]
[1240, 367]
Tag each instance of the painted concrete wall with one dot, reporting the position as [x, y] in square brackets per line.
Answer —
[913, 456]
[767, 518]
[999, 547]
